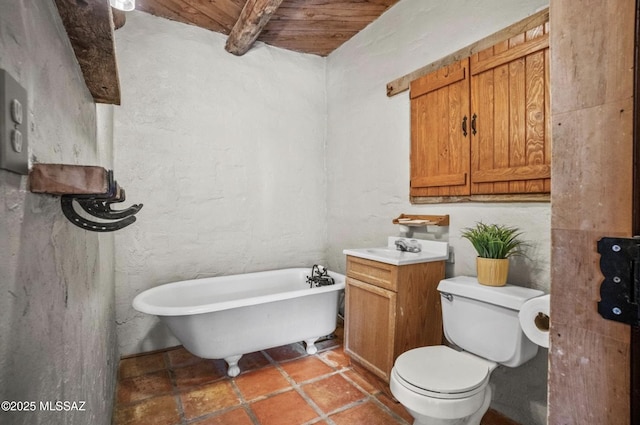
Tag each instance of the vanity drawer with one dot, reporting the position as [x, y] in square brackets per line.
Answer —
[379, 274]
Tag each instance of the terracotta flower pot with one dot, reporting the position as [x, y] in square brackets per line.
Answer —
[492, 271]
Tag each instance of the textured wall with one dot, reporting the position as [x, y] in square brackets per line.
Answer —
[57, 331]
[227, 155]
[368, 157]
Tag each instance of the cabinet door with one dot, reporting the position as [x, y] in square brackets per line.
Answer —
[370, 326]
[510, 135]
[439, 141]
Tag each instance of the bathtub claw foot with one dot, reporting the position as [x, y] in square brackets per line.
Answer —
[234, 369]
[311, 345]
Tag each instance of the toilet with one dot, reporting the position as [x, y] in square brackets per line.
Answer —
[440, 385]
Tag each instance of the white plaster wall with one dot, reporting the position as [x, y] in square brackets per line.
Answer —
[368, 141]
[227, 155]
[57, 302]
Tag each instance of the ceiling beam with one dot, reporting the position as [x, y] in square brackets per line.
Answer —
[89, 26]
[253, 18]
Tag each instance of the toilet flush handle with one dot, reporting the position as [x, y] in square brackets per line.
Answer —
[447, 295]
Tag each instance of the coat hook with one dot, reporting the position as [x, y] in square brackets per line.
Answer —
[92, 188]
[99, 206]
[84, 223]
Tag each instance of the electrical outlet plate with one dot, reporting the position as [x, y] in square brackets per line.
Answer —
[14, 125]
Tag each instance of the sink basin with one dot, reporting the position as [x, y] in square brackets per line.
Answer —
[431, 251]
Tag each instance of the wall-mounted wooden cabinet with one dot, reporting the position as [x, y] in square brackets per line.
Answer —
[481, 126]
[389, 310]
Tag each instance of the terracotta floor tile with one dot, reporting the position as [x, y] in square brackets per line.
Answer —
[139, 365]
[144, 386]
[396, 407]
[335, 358]
[261, 382]
[234, 417]
[332, 393]
[157, 411]
[288, 408]
[367, 413]
[181, 357]
[208, 398]
[252, 361]
[361, 381]
[306, 368]
[287, 352]
[199, 373]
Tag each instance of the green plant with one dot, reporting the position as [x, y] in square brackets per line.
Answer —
[494, 240]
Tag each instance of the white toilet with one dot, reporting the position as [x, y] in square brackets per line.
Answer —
[442, 386]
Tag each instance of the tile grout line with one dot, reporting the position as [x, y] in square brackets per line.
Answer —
[244, 403]
[336, 370]
[174, 387]
[297, 388]
[374, 399]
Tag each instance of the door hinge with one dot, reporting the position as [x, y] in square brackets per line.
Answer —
[620, 290]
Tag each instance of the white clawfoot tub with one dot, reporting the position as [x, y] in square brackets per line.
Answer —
[228, 316]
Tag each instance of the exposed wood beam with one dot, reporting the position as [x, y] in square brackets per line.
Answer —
[89, 26]
[253, 18]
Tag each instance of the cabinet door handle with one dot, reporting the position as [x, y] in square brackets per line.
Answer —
[464, 126]
[473, 124]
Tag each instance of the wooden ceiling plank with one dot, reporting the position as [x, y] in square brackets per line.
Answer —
[253, 18]
[329, 20]
[313, 27]
[339, 3]
[227, 12]
[183, 11]
[89, 26]
[347, 13]
[321, 46]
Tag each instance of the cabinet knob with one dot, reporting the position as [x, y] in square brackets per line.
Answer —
[473, 124]
[464, 126]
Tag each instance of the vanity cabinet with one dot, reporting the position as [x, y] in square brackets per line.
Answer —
[390, 309]
[480, 126]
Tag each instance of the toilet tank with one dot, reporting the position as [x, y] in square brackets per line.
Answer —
[483, 320]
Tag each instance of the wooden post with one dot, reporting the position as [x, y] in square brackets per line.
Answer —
[592, 71]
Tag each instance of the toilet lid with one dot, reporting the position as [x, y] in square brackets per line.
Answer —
[442, 370]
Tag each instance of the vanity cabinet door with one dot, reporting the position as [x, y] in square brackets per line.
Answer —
[370, 326]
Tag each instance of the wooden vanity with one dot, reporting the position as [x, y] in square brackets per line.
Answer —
[390, 309]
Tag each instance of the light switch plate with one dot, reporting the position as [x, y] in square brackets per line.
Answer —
[14, 125]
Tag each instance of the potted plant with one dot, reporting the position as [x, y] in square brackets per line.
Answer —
[494, 244]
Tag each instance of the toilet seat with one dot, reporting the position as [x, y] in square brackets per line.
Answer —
[441, 372]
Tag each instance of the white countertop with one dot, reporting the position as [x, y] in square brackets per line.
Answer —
[431, 251]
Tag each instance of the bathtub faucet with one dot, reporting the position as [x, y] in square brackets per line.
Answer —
[319, 277]
[408, 246]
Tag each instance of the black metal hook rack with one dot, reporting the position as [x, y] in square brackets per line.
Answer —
[93, 188]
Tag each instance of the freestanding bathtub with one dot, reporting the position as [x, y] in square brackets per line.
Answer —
[228, 316]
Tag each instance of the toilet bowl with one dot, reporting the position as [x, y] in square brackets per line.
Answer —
[441, 386]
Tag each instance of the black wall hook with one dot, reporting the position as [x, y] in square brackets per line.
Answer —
[99, 206]
[92, 188]
[66, 202]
